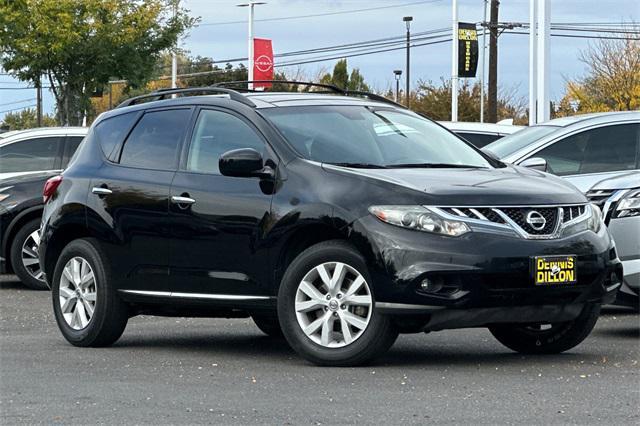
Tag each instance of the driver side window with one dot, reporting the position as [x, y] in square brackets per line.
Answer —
[217, 132]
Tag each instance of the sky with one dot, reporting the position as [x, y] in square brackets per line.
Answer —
[223, 41]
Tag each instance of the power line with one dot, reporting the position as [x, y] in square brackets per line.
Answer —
[316, 15]
[18, 102]
[17, 109]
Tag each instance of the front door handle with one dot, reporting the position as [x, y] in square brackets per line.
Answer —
[182, 200]
[99, 190]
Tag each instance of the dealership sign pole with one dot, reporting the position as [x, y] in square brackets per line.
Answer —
[454, 62]
[533, 62]
[250, 56]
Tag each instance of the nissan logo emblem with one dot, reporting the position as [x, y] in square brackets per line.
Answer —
[536, 220]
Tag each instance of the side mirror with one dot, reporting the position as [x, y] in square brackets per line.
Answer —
[536, 163]
[245, 162]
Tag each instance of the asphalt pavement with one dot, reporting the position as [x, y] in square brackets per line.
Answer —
[195, 371]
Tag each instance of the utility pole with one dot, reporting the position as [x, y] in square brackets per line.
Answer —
[174, 54]
[39, 101]
[398, 75]
[407, 20]
[492, 104]
[250, 56]
[484, 60]
[454, 61]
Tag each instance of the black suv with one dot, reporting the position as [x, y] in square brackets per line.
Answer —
[338, 220]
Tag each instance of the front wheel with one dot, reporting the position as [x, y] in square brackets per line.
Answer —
[326, 307]
[24, 256]
[547, 338]
[85, 304]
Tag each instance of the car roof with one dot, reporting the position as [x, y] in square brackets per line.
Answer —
[593, 118]
[43, 131]
[475, 127]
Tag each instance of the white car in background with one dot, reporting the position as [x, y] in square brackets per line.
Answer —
[481, 134]
[599, 154]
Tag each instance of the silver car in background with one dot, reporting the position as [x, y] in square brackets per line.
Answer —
[599, 154]
[481, 134]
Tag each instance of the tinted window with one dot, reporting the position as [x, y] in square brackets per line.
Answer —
[216, 133]
[513, 143]
[370, 138]
[599, 150]
[70, 148]
[479, 139]
[30, 155]
[154, 142]
[112, 131]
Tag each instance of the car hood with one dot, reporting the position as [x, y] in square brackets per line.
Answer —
[626, 180]
[510, 185]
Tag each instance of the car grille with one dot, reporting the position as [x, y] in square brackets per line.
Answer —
[534, 222]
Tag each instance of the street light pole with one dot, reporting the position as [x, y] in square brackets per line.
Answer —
[398, 74]
[407, 20]
[484, 56]
[250, 56]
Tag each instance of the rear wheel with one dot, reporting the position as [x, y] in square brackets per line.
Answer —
[24, 256]
[85, 304]
[547, 338]
[326, 307]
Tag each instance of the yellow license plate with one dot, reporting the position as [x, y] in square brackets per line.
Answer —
[555, 270]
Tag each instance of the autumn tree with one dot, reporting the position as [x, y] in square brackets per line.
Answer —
[341, 78]
[612, 81]
[80, 45]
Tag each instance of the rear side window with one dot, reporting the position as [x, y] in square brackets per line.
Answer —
[70, 148]
[112, 131]
[154, 142]
[30, 155]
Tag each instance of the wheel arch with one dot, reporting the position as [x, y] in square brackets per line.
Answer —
[18, 222]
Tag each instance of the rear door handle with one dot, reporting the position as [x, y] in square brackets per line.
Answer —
[182, 200]
[101, 190]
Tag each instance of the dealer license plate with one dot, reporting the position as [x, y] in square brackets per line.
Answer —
[554, 270]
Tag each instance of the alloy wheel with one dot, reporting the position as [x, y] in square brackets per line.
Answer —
[78, 292]
[30, 255]
[333, 304]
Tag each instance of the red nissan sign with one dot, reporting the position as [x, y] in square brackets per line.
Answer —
[263, 61]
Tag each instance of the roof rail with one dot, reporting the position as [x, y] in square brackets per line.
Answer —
[163, 93]
[330, 87]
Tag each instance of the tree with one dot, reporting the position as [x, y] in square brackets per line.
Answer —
[342, 79]
[25, 119]
[612, 82]
[434, 101]
[80, 45]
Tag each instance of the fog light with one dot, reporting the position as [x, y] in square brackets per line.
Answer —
[430, 286]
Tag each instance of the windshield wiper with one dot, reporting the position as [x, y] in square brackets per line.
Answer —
[434, 166]
[360, 165]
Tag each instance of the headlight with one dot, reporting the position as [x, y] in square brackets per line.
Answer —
[629, 205]
[595, 219]
[3, 194]
[419, 218]
[592, 222]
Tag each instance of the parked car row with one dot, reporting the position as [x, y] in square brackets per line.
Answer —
[337, 220]
[27, 159]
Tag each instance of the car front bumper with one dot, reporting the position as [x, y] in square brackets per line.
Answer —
[485, 277]
[626, 233]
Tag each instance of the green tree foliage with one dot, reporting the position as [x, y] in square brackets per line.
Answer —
[345, 80]
[80, 45]
[25, 119]
[434, 101]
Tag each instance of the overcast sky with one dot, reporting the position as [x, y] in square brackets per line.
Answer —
[223, 41]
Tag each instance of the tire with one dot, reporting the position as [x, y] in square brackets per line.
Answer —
[558, 338]
[268, 324]
[110, 314]
[341, 344]
[25, 264]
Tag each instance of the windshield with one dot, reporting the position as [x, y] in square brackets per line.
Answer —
[360, 136]
[506, 146]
